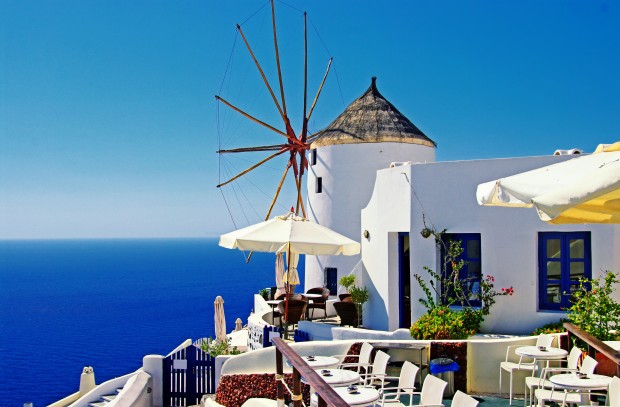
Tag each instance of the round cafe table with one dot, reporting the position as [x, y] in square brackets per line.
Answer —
[535, 353]
[362, 397]
[570, 381]
[338, 377]
[319, 362]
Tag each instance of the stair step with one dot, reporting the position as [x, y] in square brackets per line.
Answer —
[118, 389]
[98, 404]
[109, 397]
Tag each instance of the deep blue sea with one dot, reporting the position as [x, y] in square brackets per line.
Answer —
[66, 304]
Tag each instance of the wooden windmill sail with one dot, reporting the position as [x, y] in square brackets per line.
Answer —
[295, 143]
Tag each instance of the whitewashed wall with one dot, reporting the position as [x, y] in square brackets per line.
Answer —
[349, 173]
[446, 193]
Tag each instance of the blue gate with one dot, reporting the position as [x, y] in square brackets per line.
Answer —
[187, 375]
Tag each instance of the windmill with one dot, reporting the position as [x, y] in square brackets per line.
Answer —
[295, 144]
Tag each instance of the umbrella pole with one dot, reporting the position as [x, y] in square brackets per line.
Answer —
[288, 288]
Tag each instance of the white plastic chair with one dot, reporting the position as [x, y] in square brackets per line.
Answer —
[562, 396]
[406, 385]
[613, 393]
[461, 399]
[376, 375]
[363, 359]
[432, 392]
[532, 383]
[514, 362]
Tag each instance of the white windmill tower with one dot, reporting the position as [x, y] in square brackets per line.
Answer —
[369, 135]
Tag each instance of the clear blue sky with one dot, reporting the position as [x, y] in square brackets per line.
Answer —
[108, 121]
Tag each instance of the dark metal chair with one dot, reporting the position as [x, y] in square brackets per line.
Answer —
[318, 303]
[344, 296]
[296, 310]
[347, 311]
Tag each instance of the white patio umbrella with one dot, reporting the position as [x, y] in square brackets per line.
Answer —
[280, 274]
[292, 235]
[585, 189]
[220, 319]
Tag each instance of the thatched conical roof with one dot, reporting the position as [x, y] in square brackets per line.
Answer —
[371, 119]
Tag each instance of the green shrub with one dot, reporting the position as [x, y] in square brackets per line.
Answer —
[551, 328]
[443, 323]
[594, 309]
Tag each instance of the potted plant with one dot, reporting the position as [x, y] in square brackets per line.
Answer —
[264, 292]
[359, 294]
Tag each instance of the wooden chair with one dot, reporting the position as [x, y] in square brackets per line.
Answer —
[318, 303]
[296, 310]
[347, 313]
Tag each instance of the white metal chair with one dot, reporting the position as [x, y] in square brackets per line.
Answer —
[406, 385]
[461, 399]
[515, 363]
[377, 372]
[432, 392]
[363, 359]
[532, 382]
[562, 396]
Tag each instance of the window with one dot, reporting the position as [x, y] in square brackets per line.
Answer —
[319, 185]
[313, 157]
[471, 273]
[563, 257]
[331, 280]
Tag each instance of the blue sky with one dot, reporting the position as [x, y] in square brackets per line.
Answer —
[108, 124]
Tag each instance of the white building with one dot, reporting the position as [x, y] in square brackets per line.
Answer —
[352, 160]
[366, 137]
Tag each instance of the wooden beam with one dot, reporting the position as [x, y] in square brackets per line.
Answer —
[273, 96]
[274, 147]
[316, 98]
[275, 42]
[251, 117]
[251, 168]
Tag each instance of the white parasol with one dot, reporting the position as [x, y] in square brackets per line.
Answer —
[220, 319]
[582, 190]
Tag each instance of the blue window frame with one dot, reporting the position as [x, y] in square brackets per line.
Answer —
[563, 257]
[471, 273]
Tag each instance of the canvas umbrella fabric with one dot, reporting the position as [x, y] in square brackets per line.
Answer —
[585, 189]
[290, 234]
[220, 319]
[280, 274]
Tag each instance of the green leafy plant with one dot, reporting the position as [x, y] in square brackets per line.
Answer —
[347, 281]
[446, 289]
[594, 310]
[443, 323]
[551, 328]
[217, 348]
[264, 292]
[359, 295]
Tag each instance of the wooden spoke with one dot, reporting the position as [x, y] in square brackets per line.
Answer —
[255, 120]
[275, 198]
[275, 42]
[316, 98]
[304, 121]
[274, 147]
[251, 168]
[273, 96]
